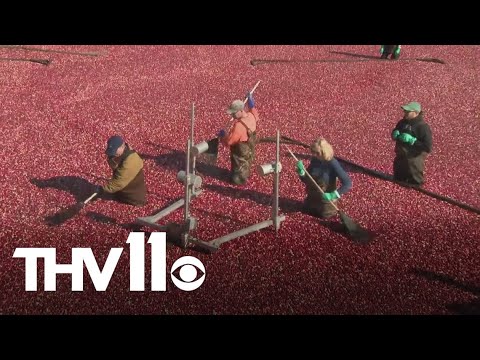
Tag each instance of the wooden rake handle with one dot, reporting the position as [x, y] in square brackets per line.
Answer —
[90, 198]
[310, 177]
[253, 90]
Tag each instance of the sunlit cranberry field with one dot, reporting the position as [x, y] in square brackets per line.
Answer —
[55, 121]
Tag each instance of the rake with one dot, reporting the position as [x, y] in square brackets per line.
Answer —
[63, 215]
[354, 229]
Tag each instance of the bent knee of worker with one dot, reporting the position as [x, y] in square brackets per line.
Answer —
[238, 179]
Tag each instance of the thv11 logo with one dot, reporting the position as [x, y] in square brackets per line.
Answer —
[188, 266]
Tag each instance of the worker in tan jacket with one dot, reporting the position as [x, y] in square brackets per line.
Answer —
[128, 181]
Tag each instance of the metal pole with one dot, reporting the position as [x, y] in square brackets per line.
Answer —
[192, 119]
[276, 183]
[154, 218]
[276, 218]
[242, 232]
[192, 141]
[187, 182]
[185, 235]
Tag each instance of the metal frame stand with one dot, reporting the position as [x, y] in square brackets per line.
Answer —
[192, 185]
[276, 219]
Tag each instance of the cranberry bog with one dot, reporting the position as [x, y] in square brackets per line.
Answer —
[55, 120]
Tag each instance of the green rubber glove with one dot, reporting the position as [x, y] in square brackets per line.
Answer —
[300, 168]
[395, 134]
[331, 196]
[397, 51]
[407, 138]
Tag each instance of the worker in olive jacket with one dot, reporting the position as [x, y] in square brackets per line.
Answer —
[127, 184]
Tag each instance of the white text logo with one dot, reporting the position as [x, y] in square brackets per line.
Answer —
[187, 266]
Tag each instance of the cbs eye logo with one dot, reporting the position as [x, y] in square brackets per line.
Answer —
[188, 278]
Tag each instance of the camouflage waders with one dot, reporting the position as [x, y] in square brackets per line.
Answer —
[242, 156]
[315, 205]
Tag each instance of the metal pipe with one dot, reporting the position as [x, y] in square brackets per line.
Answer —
[245, 231]
[154, 218]
[192, 141]
[203, 244]
[217, 242]
[192, 119]
[187, 182]
[152, 225]
[276, 185]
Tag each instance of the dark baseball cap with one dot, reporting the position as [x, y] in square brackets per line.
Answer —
[113, 144]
